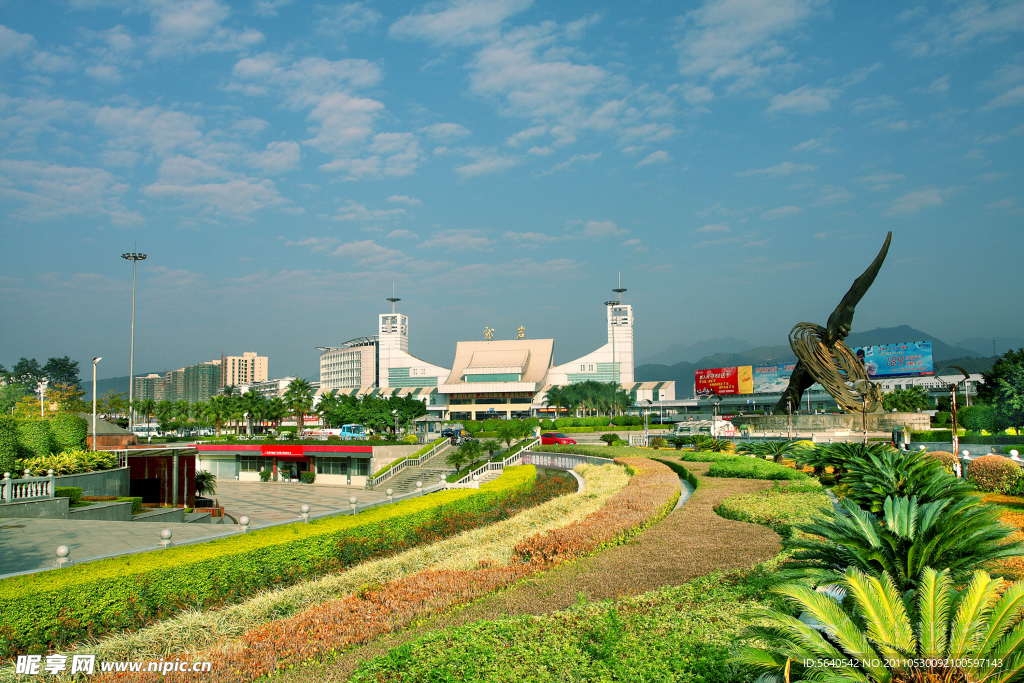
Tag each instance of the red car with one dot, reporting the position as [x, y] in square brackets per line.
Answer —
[549, 438]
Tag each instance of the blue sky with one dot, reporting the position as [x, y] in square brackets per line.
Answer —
[282, 163]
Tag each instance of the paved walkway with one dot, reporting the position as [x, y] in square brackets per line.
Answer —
[29, 544]
[273, 501]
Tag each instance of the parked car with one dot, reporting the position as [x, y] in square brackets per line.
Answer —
[549, 438]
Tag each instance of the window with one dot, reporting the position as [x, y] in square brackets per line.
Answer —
[332, 465]
[361, 467]
[521, 400]
[491, 401]
[461, 401]
[255, 463]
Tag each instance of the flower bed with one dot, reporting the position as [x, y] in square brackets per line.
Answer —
[379, 609]
[779, 508]
[491, 544]
[50, 609]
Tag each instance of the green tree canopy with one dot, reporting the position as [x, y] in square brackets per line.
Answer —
[299, 400]
[62, 371]
[907, 400]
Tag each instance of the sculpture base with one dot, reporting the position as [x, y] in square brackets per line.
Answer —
[848, 422]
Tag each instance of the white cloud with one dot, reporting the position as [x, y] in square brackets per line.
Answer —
[402, 234]
[484, 163]
[269, 8]
[339, 20]
[317, 243]
[403, 199]
[1011, 97]
[524, 135]
[460, 23]
[939, 86]
[601, 229]
[912, 202]
[280, 157]
[780, 212]
[830, 195]
[967, 24]
[804, 100]
[368, 252]
[353, 211]
[882, 181]
[51, 192]
[445, 132]
[698, 95]
[738, 40]
[594, 156]
[1003, 204]
[459, 240]
[195, 26]
[785, 168]
[528, 237]
[659, 157]
[713, 227]
[12, 42]
[238, 196]
[540, 151]
[162, 132]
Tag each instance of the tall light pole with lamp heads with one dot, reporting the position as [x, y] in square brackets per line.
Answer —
[134, 257]
[94, 362]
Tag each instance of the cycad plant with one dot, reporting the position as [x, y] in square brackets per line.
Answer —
[959, 536]
[878, 635]
[873, 473]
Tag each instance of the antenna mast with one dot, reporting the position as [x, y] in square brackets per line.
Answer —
[392, 298]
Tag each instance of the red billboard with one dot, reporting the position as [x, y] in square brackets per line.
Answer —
[724, 381]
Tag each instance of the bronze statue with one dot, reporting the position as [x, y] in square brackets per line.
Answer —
[823, 357]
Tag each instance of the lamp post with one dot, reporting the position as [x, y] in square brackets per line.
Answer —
[94, 362]
[41, 387]
[863, 387]
[395, 413]
[789, 412]
[644, 405]
[134, 258]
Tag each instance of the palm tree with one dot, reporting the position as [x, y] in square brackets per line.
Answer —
[251, 404]
[182, 411]
[465, 454]
[146, 407]
[955, 535]
[878, 635]
[217, 411]
[492, 446]
[906, 400]
[164, 414]
[275, 411]
[299, 400]
[328, 405]
[555, 396]
[508, 431]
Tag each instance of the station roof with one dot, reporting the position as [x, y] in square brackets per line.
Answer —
[529, 358]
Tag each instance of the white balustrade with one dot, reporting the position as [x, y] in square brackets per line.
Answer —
[409, 462]
[26, 488]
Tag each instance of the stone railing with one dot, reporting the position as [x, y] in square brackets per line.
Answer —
[511, 460]
[408, 462]
[26, 488]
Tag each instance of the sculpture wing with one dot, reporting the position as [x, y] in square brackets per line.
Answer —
[841, 320]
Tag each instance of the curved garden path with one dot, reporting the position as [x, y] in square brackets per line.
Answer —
[691, 541]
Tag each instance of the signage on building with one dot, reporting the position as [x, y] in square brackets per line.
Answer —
[724, 381]
[772, 379]
[909, 359]
[499, 394]
[281, 450]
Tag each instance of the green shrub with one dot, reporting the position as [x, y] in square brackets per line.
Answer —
[621, 421]
[74, 493]
[49, 610]
[547, 424]
[636, 420]
[947, 459]
[307, 477]
[265, 475]
[610, 438]
[411, 439]
[35, 438]
[69, 432]
[993, 473]
[658, 442]
[942, 418]
[1015, 447]
[491, 425]
[472, 426]
[8, 444]
[620, 442]
[878, 471]
[680, 470]
[752, 468]
[779, 508]
[135, 501]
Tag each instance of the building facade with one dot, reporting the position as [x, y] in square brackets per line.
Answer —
[193, 383]
[248, 368]
[149, 387]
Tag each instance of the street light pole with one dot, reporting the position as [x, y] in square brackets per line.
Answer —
[94, 362]
[41, 386]
[134, 258]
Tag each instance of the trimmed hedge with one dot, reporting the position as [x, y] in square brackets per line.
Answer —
[993, 473]
[74, 493]
[307, 477]
[947, 459]
[8, 443]
[136, 503]
[753, 468]
[680, 470]
[943, 435]
[69, 432]
[49, 610]
[780, 508]
[35, 438]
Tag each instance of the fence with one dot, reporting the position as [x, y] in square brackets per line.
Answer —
[408, 462]
[513, 459]
[26, 488]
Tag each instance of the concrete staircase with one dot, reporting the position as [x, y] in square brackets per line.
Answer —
[429, 473]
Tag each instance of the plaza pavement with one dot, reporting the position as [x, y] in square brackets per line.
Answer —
[30, 544]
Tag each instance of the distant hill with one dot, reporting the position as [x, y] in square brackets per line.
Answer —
[110, 384]
[984, 346]
[905, 333]
[676, 353]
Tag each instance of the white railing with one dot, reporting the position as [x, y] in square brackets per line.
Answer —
[511, 460]
[26, 488]
[409, 462]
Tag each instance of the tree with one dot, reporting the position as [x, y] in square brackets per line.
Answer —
[67, 397]
[465, 454]
[206, 482]
[275, 411]
[327, 407]
[935, 634]
[509, 431]
[182, 411]
[10, 394]
[145, 407]
[27, 373]
[62, 371]
[1003, 366]
[1008, 399]
[977, 418]
[164, 415]
[217, 411]
[116, 403]
[609, 438]
[252, 404]
[906, 400]
[555, 396]
[492, 446]
[299, 400]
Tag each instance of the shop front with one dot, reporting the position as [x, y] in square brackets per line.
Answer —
[340, 465]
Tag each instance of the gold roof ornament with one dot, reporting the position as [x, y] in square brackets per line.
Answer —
[521, 333]
[488, 333]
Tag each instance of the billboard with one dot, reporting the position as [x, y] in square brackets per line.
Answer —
[724, 381]
[910, 359]
[772, 379]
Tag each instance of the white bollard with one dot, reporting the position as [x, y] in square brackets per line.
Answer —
[165, 538]
[304, 513]
[62, 556]
[419, 487]
[352, 502]
[243, 522]
[391, 495]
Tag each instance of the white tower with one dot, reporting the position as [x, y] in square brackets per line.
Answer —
[393, 328]
[620, 337]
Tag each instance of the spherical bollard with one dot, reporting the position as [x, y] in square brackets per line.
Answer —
[62, 555]
[390, 495]
[304, 513]
[1014, 455]
[921, 448]
[966, 454]
[243, 522]
[419, 487]
[165, 538]
[352, 502]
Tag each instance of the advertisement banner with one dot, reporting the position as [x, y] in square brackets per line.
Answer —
[772, 379]
[724, 381]
[909, 359]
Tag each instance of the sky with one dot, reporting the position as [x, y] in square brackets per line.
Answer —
[500, 163]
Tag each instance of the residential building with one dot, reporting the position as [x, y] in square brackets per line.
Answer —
[148, 387]
[193, 383]
[245, 369]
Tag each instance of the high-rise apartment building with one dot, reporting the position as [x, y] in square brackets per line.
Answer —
[245, 369]
[193, 383]
[149, 387]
